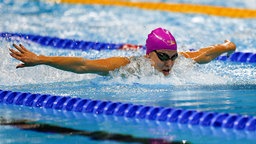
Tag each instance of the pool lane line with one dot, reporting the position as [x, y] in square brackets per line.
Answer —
[174, 7]
[59, 43]
[31, 125]
[129, 110]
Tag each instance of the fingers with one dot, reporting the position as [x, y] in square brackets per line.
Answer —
[18, 54]
[23, 48]
[15, 54]
[21, 65]
[20, 48]
[226, 41]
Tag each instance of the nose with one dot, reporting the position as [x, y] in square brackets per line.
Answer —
[169, 63]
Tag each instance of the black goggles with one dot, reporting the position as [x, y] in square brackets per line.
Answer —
[165, 57]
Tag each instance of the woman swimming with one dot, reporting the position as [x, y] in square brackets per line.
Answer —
[161, 50]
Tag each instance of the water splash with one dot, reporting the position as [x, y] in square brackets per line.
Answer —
[186, 72]
[140, 71]
[34, 75]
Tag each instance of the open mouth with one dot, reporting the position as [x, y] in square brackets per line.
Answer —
[166, 72]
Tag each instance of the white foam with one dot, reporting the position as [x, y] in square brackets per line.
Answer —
[184, 72]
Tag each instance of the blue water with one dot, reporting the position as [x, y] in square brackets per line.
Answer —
[217, 86]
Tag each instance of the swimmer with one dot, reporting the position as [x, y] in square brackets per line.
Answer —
[161, 49]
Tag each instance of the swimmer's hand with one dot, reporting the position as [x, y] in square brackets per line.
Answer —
[230, 46]
[24, 55]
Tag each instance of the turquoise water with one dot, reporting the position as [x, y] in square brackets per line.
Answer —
[218, 86]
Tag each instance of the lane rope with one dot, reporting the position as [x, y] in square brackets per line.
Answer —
[163, 114]
[55, 42]
[173, 7]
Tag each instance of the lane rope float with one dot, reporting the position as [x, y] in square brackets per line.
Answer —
[55, 42]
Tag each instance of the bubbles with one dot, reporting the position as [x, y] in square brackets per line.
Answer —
[138, 67]
[214, 73]
[236, 74]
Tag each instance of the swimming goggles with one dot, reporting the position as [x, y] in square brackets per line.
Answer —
[166, 57]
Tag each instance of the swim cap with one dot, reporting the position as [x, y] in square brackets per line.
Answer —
[160, 39]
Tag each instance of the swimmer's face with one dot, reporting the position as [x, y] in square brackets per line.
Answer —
[163, 60]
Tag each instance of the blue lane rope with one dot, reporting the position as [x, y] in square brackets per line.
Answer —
[87, 45]
[62, 43]
[164, 114]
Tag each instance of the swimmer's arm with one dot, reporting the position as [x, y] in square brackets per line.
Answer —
[207, 54]
[81, 65]
[72, 64]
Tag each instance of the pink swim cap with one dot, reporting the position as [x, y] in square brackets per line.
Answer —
[160, 39]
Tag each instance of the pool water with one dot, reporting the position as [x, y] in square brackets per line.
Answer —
[227, 87]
